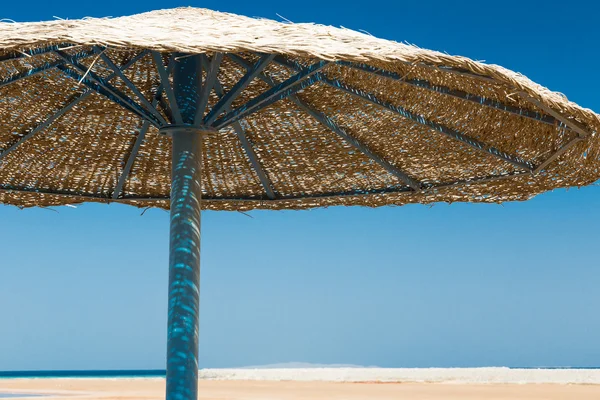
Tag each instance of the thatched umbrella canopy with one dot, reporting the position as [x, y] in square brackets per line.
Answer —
[379, 123]
[164, 108]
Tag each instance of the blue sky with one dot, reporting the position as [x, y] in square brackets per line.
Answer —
[413, 286]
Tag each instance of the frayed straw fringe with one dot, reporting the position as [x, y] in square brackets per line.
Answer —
[193, 30]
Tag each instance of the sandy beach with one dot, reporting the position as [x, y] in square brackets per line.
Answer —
[148, 389]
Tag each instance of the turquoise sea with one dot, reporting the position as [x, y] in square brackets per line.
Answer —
[145, 373]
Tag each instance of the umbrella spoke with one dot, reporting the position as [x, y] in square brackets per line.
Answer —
[481, 100]
[160, 90]
[247, 146]
[164, 78]
[45, 124]
[30, 72]
[130, 85]
[330, 124]
[140, 138]
[455, 71]
[574, 125]
[104, 88]
[227, 100]
[265, 181]
[301, 80]
[136, 146]
[419, 119]
[557, 154]
[552, 117]
[62, 111]
[130, 159]
[211, 79]
[130, 63]
[96, 87]
[516, 161]
[33, 52]
[37, 70]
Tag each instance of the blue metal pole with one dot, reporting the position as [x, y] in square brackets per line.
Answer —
[184, 259]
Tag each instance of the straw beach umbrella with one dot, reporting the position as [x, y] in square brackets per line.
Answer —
[191, 109]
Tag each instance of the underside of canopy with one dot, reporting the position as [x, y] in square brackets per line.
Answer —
[293, 125]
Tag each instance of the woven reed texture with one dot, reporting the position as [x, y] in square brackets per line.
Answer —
[81, 156]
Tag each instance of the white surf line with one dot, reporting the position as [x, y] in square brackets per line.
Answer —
[421, 375]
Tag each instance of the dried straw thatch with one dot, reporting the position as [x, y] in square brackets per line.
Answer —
[403, 103]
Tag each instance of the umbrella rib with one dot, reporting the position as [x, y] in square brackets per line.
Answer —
[130, 63]
[30, 72]
[550, 119]
[164, 78]
[34, 71]
[581, 130]
[32, 52]
[130, 160]
[330, 124]
[130, 85]
[236, 90]
[247, 146]
[421, 120]
[45, 124]
[557, 154]
[101, 86]
[301, 80]
[337, 84]
[573, 125]
[159, 92]
[95, 87]
[354, 193]
[256, 164]
[211, 79]
[138, 143]
[61, 112]
[460, 94]
[456, 71]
